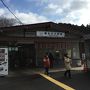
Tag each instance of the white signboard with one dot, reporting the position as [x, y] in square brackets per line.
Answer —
[49, 34]
[3, 61]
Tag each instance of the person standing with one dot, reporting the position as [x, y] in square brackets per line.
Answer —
[67, 62]
[46, 63]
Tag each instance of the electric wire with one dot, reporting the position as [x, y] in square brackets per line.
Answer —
[11, 12]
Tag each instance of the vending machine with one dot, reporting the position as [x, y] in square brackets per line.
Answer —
[3, 61]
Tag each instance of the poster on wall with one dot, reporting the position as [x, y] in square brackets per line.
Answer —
[3, 61]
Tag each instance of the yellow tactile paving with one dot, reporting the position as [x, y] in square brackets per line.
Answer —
[60, 84]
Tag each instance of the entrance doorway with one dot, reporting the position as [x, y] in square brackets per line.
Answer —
[24, 57]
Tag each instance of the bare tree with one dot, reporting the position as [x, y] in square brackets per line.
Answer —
[6, 22]
[88, 26]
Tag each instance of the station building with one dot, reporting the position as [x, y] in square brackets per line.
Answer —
[27, 44]
[86, 39]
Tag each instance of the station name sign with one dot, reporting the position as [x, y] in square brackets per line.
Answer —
[50, 34]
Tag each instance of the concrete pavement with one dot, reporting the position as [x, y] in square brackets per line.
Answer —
[34, 71]
[30, 79]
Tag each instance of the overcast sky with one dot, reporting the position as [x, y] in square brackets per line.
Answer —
[59, 11]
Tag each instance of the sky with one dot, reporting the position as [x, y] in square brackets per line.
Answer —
[37, 11]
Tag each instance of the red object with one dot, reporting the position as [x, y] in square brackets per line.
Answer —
[46, 62]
